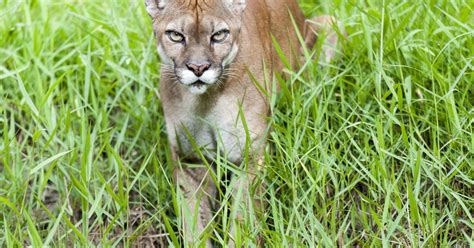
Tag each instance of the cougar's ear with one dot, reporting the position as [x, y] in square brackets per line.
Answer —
[155, 7]
[237, 6]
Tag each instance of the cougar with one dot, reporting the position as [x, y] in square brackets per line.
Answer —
[218, 64]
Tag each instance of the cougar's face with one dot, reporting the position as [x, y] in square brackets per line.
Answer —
[196, 42]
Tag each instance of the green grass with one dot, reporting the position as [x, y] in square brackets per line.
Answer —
[376, 149]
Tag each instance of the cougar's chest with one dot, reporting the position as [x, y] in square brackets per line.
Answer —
[216, 129]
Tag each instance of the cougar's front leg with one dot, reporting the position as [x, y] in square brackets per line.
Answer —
[195, 190]
[247, 193]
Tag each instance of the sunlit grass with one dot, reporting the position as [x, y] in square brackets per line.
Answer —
[375, 149]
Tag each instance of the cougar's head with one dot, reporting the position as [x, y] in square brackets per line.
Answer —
[197, 39]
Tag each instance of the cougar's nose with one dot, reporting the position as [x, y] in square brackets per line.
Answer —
[198, 69]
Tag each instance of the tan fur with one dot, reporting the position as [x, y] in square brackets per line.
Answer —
[211, 117]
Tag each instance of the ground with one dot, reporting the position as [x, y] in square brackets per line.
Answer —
[374, 149]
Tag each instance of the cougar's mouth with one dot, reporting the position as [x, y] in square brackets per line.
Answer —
[198, 83]
[199, 87]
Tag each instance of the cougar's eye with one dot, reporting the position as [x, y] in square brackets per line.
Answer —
[175, 36]
[220, 36]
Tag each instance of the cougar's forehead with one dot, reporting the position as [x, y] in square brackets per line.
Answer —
[199, 7]
[188, 24]
[196, 16]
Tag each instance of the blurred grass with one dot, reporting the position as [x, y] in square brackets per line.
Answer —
[376, 149]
